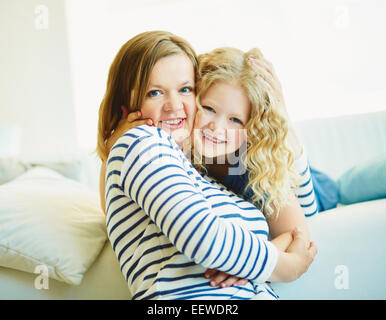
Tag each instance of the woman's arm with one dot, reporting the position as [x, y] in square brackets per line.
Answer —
[295, 260]
[270, 81]
[223, 279]
[283, 241]
[154, 176]
[128, 121]
[102, 186]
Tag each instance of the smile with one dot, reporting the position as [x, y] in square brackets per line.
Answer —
[173, 124]
[212, 139]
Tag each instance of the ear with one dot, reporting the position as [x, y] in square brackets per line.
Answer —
[125, 111]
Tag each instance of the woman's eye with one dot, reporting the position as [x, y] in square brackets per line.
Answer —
[235, 120]
[208, 108]
[153, 93]
[186, 89]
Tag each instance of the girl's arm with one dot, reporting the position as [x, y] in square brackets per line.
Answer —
[289, 218]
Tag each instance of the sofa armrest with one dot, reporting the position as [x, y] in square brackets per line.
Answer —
[351, 259]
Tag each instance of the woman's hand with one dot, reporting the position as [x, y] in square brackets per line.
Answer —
[283, 241]
[223, 279]
[268, 79]
[128, 121]
[295, 260]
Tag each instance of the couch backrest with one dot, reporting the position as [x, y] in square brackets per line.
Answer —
[336, 144]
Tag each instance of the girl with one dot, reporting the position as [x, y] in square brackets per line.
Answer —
[241, 105]
[165, 222]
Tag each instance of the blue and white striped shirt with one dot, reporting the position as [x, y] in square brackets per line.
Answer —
[305, 192]
[167, 224]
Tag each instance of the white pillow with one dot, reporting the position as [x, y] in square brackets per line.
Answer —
[47, 219]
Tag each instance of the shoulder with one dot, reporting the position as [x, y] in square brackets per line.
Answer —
[143, 133]
[141, 138]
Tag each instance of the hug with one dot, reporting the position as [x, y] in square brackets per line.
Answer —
[183, 220]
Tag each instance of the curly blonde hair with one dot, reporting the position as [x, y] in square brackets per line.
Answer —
[268, 158]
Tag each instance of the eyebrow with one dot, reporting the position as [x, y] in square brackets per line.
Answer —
[161, 87]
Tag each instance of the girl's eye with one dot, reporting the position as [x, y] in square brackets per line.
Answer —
[153, 93]
[186, 89]
[208, 108]
[235, 120]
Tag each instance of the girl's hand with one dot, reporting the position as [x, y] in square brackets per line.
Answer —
[223, 279]
[128, 121]
[270, 81]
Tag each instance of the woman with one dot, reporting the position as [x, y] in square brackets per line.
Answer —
[166, 223]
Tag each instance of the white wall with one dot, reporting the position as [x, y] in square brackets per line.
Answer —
[35, 81]
[329, 54]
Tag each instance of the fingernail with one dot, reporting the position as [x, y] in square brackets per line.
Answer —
[212, 283]
[138, 113]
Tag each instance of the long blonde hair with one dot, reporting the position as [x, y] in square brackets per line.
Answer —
[129, 75]
[268, 158]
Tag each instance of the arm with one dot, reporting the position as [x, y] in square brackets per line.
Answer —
[295, 261]
[223, 279]
[305, 193]
[270, 81]
[102, 186]
[153, 175]
[283, 241]
[290, 217]
[128, 121]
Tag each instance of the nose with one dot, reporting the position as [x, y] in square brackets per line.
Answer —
[217, 125]
[173, 103]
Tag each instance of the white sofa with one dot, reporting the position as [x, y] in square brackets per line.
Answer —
[351, 260]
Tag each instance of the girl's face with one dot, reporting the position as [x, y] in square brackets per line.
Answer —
[219, 127]
[170, 98]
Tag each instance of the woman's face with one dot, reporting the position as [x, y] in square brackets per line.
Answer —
[170, 98]
[219, 127]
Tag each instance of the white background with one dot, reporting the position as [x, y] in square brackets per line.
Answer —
[329, 55]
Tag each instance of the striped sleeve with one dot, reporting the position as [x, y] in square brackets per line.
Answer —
[305, 192]
[155, 176]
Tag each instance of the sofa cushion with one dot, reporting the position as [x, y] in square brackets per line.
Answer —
[49, 222]
[363, 182]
